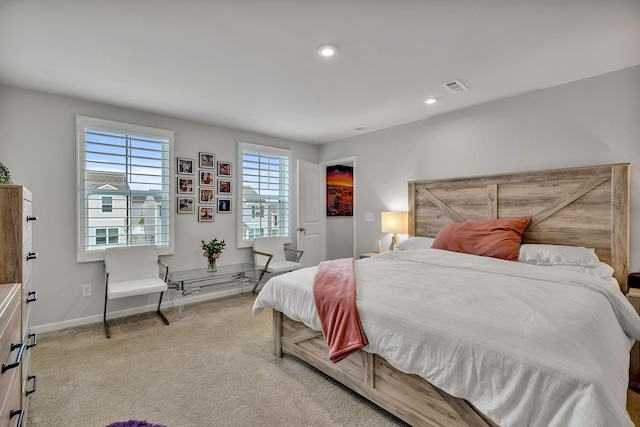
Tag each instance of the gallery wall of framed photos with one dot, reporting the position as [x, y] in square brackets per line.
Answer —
[204, 186]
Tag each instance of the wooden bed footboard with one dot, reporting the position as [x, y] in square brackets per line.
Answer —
[408, 397]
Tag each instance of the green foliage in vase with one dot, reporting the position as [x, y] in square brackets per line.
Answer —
[5, 175]
[213, 249]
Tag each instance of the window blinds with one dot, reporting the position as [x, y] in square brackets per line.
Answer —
[265, 192]
[124, 187]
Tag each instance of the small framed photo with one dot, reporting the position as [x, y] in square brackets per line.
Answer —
[206, 195]
[224, 169]
[185, 185]
[224, 205]
[185, 166]
[207, 160]
[206, 178]
[205, 213]
[224, 186]
[186, 205]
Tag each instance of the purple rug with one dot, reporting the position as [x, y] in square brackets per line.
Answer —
[134, 423]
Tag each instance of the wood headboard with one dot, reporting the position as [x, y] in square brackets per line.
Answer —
[584, 206]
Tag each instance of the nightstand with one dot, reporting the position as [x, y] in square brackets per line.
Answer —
[368, 254]
[634, 365]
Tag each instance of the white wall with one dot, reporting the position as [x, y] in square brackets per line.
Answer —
[39, 146]
[588, 122]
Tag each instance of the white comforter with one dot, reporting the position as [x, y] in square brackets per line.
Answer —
[527, 345]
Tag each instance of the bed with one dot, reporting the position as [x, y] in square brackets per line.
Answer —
[494, 351]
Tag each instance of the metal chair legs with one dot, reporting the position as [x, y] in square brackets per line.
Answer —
[160, 313]
[106, 324]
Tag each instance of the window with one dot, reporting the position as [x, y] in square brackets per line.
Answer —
[124, 178]
[101, 236]
[107, 204]
[264, 179]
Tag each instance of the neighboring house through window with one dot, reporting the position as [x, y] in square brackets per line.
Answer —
[265, 181]
[124, 180]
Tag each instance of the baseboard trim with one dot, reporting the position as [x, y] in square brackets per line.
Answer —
[170, 301]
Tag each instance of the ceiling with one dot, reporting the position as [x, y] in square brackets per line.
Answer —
[253, 64]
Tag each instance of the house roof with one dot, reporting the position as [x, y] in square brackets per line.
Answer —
[98, 180]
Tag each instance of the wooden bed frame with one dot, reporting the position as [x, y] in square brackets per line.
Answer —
[586, 206]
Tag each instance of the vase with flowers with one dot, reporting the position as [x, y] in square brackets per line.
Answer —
[213, 251]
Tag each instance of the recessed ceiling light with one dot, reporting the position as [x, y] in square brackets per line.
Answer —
[327, 50]
[431, 101]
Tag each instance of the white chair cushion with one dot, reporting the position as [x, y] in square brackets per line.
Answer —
[135, 287]
[131, 263]
[283, 266]
[270, 245]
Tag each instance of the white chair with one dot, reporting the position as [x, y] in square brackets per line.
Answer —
[133, 270]
[269, 254]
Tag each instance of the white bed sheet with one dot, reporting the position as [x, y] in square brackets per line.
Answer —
[528, 345]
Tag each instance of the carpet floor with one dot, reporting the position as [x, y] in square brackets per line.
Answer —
[211, 367]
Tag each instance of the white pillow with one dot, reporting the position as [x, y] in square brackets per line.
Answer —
[415, 243]
[604, 271]
[558, 255]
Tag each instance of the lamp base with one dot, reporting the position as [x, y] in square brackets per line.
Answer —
[394, 241]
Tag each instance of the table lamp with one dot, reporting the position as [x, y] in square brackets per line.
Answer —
[395, 222]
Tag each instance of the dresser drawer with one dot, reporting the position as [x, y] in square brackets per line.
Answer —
[10, 336]
[26, 212]
[12, 404]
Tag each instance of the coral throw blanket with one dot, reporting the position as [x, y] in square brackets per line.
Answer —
[334, 291]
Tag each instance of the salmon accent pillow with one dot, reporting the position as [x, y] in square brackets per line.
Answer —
[496, 238]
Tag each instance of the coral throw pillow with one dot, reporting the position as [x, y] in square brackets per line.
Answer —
[497, 238]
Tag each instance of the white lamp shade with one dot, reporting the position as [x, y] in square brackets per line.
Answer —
[395, 222]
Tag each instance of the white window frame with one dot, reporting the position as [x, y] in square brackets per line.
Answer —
[105, 205]
[267, 150]
[83, 240]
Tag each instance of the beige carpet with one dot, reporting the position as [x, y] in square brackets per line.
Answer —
[213, 367]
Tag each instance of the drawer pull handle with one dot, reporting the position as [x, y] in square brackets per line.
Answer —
[32, 218]
[20, 413]
[34, 342]
[33, 389]
[7, 366]
[33, 294]
[32, 255]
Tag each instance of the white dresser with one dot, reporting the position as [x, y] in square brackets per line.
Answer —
[16, 299]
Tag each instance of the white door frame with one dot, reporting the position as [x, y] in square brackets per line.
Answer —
[351, 160]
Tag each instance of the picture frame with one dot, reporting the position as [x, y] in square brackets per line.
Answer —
[184, 166]
[339, 190]
[207, 178]
[185, 185]
[205, 213]
[186, 205]
[224, 186]
[224, 169]
[207, 160]
[223, 205]
[207, 195]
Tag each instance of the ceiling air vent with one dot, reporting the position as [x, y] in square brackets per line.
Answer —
[455, 86]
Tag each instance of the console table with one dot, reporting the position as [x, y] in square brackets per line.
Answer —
[186, 282]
